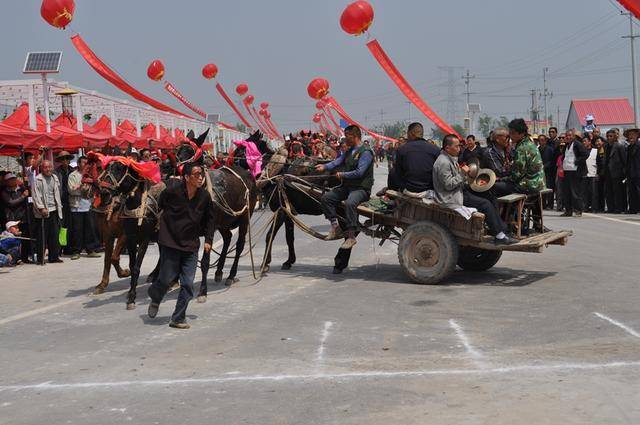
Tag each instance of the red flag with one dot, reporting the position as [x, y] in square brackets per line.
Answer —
[232, 105]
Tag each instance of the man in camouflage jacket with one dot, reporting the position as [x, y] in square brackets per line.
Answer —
[527, 168]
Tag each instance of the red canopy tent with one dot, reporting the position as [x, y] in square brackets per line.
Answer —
[13, 139]
[71, 139]
[166, 140]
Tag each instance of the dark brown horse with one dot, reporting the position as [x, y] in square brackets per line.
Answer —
[234, 194]
[288, 184]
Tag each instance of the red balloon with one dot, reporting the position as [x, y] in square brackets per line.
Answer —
[316, 118]
[58, 13]
[210, 71]
[357, 17]
[155, 70]
[264, 105]
[262, 112]
[267, 114]
[318, 88]
[320, 105]
[249, 99]
[242, 89]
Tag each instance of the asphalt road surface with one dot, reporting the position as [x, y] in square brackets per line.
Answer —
[549, 338]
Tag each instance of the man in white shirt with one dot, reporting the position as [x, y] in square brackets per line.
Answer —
[590, 185]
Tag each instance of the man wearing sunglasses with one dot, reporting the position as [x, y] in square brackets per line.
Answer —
[185, 206]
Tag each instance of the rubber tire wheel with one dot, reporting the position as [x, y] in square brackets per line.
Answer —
[427, 252]
[476, 259]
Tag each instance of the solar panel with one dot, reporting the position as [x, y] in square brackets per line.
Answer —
[42, 63]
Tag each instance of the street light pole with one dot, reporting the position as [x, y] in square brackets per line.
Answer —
[632, 38]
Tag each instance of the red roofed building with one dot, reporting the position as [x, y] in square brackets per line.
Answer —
[607, 113]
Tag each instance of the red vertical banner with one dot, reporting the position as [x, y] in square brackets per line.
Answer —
[253, 117]
[176, 93]
[632, 6]
[387, 65]
[233, 106]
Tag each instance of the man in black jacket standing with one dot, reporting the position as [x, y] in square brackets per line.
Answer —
[615, 165]
[414, 161]
[185, 206]
[574, 165]
[548, 154]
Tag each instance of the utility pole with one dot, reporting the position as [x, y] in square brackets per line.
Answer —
[558, 117]
[546, 94]
[467, 82]
[632, 38]
[381, 116]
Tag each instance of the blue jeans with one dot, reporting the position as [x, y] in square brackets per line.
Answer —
[15, 256]
[352, 197]
[175, 264]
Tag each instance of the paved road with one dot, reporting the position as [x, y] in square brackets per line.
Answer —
[547, 339]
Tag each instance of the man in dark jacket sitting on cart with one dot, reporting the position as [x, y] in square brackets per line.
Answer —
[357, 181]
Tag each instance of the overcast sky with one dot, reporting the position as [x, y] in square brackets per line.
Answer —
[278, 46]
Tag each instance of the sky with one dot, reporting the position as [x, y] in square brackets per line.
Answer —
[278, 46]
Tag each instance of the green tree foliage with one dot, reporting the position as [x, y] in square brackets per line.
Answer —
[487, 123]
[396, 130]
[438, 134]
[241, 127]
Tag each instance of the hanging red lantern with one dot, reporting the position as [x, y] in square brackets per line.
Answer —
[357, 17]
[155, 70]
[264, 105]
[249, 99]
[318, 88]
[320, 105]
[210, 71]
[58, 13]
[242, 89]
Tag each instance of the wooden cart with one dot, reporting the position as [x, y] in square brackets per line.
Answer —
[432, 239]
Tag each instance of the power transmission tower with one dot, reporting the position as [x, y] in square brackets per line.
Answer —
[467, 83]
[534, 109]
[452, 82]
[546, 94]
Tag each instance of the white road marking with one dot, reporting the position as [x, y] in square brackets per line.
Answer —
[475, 355]
[373, 374]
[325, 334]
[30, 313]
[40, 310]
[611, 219]
[626, 328]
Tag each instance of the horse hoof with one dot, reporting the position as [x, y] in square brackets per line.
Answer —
[218, 277]
[131, 306]
[174, 285]
[286, 266]
[98, 290]
[265, 269]
[202, 299]
[149, 279]
[124, 273]
[231, 280]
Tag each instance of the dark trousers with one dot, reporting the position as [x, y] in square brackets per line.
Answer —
[491, 216]
[175, 264]
[352, 197]
[82, 231]
[590, 193]
[572, 186]
[550, 181]
[633, 190]
[51, 235]
[393, 181]
[599, 194]
[616, 197]
[26, 248]
[559, 193]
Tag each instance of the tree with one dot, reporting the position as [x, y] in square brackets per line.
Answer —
[487, 123]
[438, 134]
[241, 127]
[395, 130]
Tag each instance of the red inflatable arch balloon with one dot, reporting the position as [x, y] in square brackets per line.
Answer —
[242, 89]
[357, 17]
[210, 71]
[155, 70]
[58, 13]
[249, 99]
[264, 105]
[318, 88]
[320, 105]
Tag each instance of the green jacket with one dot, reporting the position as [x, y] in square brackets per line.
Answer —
[527, 169]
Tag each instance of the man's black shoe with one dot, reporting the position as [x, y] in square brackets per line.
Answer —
[153, 310]
[506, 241]
[56, 260]
[337, 270]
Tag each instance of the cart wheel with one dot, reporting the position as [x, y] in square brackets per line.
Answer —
[427, 252]
[477, 260]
